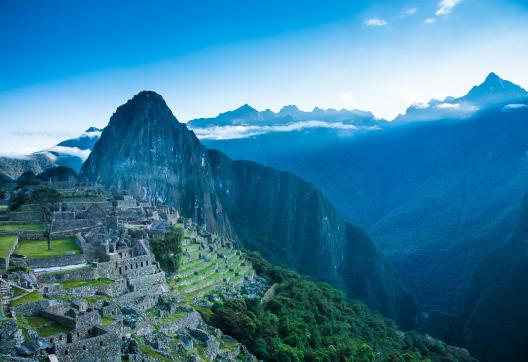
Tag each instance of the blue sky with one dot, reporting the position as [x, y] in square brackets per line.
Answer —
[66, 65]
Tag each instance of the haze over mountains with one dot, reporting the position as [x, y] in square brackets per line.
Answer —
[69, 153]
[435, 196]
[145, 150]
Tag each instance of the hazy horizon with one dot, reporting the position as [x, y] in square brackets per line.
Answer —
[207, 58]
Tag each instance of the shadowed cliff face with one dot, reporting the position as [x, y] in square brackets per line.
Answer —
[493, 325]
[144, 149]
[495, 319]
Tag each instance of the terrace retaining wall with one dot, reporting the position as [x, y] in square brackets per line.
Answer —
[62, 260]
[87, 273]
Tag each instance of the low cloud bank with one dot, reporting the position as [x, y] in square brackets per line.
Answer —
[241, 131]
[70, 151]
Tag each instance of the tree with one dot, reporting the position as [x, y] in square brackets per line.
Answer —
[169, 249]
[48, 201]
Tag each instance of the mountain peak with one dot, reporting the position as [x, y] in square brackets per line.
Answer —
[147, 95]
[245, 109]
[494, 90]
[93, 129]
[289, 108]
[492, 77]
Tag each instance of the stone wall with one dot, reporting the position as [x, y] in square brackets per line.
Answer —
[25, 216]
[81, 322]
[56, 261]
[146, 281]
[84, 205]
[69, 232]
[127, 267]
[191, 320]
[10, 335]
[87, 273]
[103, 347]
[32, 308]
[63, 225]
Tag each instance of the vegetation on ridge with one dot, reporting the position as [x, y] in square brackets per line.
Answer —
[307, 321]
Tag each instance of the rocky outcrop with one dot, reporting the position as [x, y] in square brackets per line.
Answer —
[145, 150]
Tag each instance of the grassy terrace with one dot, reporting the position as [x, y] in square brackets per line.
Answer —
[35, 249]
[6, 242]
[105, 321]
[185, 267]
[3, 209]
[198, 272]
[31, 297]
[46, 327]
[70, 284]
[23, 227]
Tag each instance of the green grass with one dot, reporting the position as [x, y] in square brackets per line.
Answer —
[23, 227]
[31, 297]
[151, 352]
[173, 318]
[197, 273]
[105, 321]
[70, 284]
[6, 242]
[3, 209]
[17, 291]
[97, 298]
[35, 249]
[46, 327]
[188, 265]
[63, 298]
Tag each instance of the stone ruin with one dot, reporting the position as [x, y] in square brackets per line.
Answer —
[113, 233]
[87, 339]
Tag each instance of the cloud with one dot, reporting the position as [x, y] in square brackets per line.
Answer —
[446, 6]
[234, 132]
[70, 151]
[93, 134]
[375, 22]
[410, 12]
[514, 106]
[448, 106]
[16, 155]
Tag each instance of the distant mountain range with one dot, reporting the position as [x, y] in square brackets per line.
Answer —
[247, 122]
[70, 153]
[435, 196]
[491, 92]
